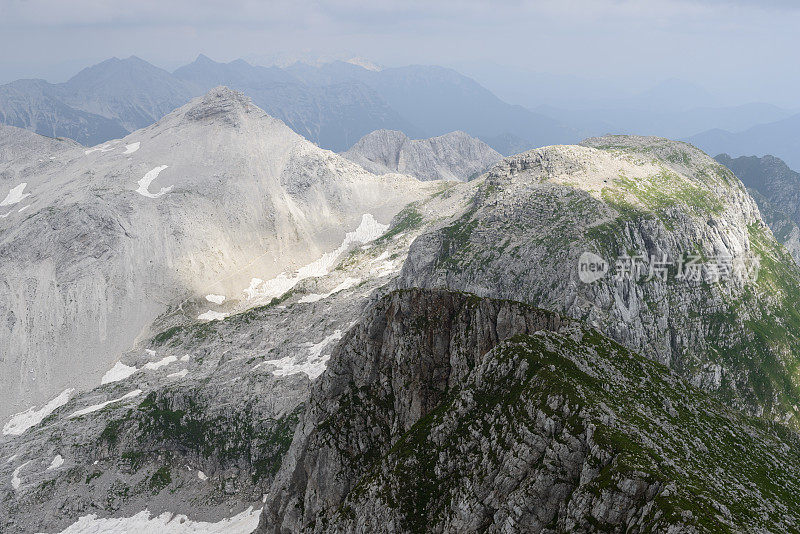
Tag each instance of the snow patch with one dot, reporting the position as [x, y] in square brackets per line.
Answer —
[16, 482]
[364, 64]
[15, 196]
[57, 462]
[97, 407]
[382, 257]
[166, 523]
[368, 230]
[346, 284]
[313, 366]
[131, 148]
[145, 182]
[179, 374]
[216, 299]
[120, 371]
[385, 269]
[6, 215]
[186, 358]
[23, 208]
[212, 315]
[31, 417]
[152, 366]
[202, 476]
[105, 147]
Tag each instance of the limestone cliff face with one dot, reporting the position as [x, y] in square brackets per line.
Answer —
[444, 412]
[535, 214]
[453, 156]
[393, 368]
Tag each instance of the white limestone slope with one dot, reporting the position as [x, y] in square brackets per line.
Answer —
[108, 244]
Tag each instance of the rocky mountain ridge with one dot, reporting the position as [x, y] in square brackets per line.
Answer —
[453, 156]
[660, 205]
[450, 371]
[213, 199]
[515, 419]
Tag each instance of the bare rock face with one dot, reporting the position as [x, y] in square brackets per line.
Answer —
[453, 156]
[97, 243]
[444, 412]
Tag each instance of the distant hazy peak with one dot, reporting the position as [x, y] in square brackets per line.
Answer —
[455, 155]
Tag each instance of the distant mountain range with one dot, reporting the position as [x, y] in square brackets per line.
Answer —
[335, 104]
[780, 138]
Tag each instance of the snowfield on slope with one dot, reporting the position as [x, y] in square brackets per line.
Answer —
[131, 148]
[57, 462]
[145, 182]
[313, 366]
[120, 371]
[16, 195]
[216, 299]
[16, 481]
[31, 417]
[264, 291]
[98, 407]
[346, 284]
[105, 147]
[212, 315]
[166, 523]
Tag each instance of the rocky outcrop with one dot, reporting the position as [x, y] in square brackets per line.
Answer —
[631, 201]
[453, 156]
[444, 412]
[391, 369]
[785, 230]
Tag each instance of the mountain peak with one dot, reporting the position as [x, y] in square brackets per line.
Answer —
[220, 102]
[202, 58]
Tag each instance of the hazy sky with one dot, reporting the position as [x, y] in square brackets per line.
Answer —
[739, 50]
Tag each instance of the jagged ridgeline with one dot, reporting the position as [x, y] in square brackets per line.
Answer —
[533, 215]
[444, 412]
